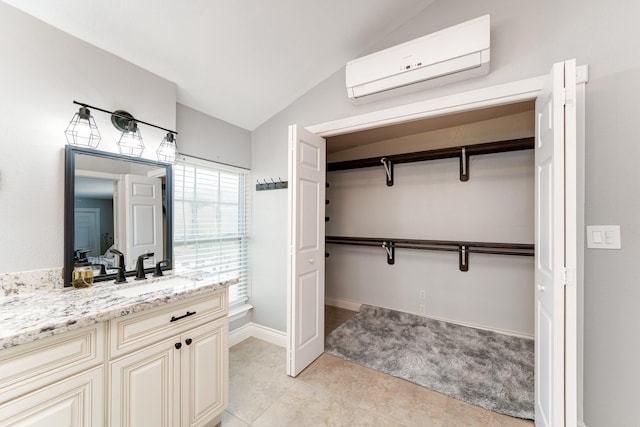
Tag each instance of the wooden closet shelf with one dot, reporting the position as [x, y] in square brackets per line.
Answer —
[463, 248]
[463, 152]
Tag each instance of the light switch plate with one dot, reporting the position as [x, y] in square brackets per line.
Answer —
[603, 237]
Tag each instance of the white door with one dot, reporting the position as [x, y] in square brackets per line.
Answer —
[305, 295]
[87, 230]
[556, 244]
[143, 217]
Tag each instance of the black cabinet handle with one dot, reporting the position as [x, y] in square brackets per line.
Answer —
[178, 345]
[188, 341]
[189, 313]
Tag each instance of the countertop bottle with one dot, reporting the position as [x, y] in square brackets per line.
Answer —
[82, 276]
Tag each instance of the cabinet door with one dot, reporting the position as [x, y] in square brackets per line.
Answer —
[73, 402]
[205, 373]
[145, 387]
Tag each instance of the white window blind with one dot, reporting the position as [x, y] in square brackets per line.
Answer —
[210, 222]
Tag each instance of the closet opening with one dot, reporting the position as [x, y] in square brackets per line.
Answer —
[394, 246]
[429, 231]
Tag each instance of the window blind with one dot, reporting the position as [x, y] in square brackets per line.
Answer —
[211, 211]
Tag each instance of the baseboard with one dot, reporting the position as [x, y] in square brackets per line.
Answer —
[343, 303]
[355, 306]
[263, 333]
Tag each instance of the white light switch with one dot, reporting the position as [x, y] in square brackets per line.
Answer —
[603, 237]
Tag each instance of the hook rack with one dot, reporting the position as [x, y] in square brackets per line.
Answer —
[273, 185]
[463, 248]
[462, 152]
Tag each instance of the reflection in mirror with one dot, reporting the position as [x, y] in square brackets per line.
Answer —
[115, 202]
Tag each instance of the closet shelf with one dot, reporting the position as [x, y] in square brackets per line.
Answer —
[462, 247]
[463, 152]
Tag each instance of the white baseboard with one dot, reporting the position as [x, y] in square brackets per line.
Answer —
[355, 306]
[343, 303]
[263, 333]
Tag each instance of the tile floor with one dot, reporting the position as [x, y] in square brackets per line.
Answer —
[334, 392]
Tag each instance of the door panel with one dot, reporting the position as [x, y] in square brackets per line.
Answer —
[305, 298]
[554, 192]
[143, 233]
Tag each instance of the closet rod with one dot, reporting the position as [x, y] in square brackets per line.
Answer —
[463, 248]
[379, 240]
[440, 153]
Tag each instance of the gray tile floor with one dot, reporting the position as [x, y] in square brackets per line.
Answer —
[334, 392]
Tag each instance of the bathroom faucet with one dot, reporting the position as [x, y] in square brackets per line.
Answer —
[140, 265]
[158, 271]
[120, 276]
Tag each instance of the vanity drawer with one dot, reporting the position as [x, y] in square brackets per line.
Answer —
[138, 330]
[31, 366]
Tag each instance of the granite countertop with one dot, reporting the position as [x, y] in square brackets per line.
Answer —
[35, 315]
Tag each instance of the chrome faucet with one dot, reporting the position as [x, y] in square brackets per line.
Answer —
[140, 265]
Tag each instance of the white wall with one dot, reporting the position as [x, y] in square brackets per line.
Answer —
[206, 137]
[527, 37]
[43, 71]
[428, 201]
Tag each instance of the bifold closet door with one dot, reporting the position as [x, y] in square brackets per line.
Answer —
[556, 245]
[305, 290]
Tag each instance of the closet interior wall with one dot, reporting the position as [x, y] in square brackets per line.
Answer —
[428, 201]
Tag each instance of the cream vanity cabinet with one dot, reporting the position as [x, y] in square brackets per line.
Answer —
[57, 381]
[169, 366]
[166, 366]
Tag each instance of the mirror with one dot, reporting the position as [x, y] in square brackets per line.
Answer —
[116, 202]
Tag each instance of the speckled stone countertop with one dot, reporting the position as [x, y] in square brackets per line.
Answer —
[27, 317]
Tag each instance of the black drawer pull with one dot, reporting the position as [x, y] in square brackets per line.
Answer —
[188, 341]
[178, 345]
[189, 313]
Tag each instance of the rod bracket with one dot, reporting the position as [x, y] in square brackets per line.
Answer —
[464, 165]
[391, 252]
[388, 168]
[463, 251]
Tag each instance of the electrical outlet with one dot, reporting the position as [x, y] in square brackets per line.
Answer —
[423, 310]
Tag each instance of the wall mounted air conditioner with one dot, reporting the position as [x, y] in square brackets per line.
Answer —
[449, 55]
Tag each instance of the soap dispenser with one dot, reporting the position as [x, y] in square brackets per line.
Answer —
[82, 276]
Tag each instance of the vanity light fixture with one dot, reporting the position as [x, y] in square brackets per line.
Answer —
[82, 129]
[130, 143]
[167, 150]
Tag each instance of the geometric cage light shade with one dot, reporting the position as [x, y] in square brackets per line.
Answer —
[130, 143]
[82, 130]
[167, 150]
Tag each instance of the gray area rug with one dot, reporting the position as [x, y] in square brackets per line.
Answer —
[486, 369]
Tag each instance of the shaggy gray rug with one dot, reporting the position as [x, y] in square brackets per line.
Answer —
[483, 368]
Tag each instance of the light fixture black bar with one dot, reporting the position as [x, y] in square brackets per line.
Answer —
[124, 117]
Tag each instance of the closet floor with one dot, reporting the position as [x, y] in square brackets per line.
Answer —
[334, 317]
[332, 391]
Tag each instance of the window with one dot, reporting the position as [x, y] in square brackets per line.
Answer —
[210, 222]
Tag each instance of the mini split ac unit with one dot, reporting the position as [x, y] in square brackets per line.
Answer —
[453, 54]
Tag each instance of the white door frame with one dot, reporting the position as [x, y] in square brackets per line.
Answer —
[507, 93]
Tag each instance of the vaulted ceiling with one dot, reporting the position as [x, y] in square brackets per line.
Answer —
[241, 61]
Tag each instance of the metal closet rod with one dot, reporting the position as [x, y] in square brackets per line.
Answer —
[463, 248]
[440, 153]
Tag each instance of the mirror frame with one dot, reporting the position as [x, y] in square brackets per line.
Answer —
[69, 207]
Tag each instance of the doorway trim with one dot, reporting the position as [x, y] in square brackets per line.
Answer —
[502, 94]
[507, 93]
